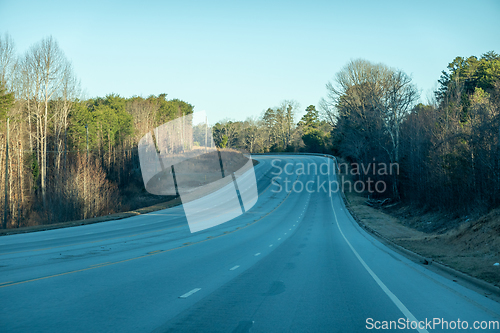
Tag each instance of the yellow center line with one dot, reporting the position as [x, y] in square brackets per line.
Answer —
[106, 239]
[5, 282]
[103, 263]
[9, 284]
[83, 243]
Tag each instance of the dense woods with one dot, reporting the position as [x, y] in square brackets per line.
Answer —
[68, 158]
[64, 157]
[448, 150]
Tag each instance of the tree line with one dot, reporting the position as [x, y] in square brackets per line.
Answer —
[71, 158]
[68, 158]
[448, 149]
[276, 131]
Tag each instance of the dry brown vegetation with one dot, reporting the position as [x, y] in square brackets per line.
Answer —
[65, 158]
[468, 244]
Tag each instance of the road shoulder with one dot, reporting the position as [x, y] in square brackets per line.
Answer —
[438, 252]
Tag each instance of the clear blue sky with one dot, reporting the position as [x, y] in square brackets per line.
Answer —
[235, 59]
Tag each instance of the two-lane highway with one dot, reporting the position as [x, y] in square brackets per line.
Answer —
[295, 262]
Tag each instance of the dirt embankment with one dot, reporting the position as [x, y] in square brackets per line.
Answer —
[468, 244]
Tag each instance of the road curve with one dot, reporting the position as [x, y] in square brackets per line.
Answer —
[295, 262]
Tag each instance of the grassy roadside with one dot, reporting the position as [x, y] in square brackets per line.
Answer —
[471, 246]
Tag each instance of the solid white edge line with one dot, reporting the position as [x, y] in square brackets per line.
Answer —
[389, 293]
[233, 268]
[186, 295]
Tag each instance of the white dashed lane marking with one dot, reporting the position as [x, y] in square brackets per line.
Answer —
[186, 295]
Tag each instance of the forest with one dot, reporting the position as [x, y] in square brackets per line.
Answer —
[64, 157]
[447, 150]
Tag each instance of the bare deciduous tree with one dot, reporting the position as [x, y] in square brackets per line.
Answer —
[8, 61]
[370, 101]
[45, 71]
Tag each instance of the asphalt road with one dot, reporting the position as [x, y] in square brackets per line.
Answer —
[295, 262]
